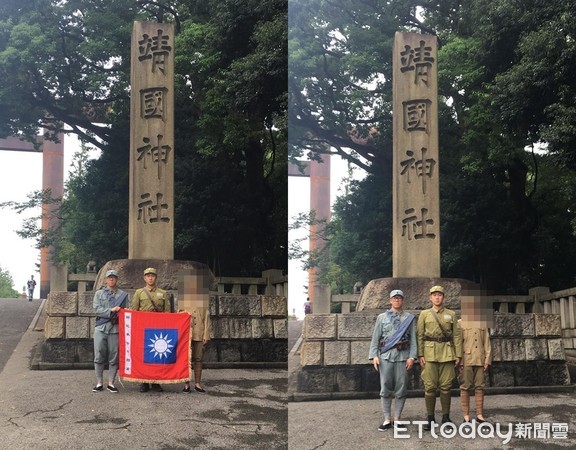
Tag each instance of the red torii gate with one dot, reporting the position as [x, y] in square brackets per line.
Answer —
[53, 179]
[319, 174]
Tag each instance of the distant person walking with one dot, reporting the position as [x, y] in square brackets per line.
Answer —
[31, 285]
[107, 302]
[307, 306]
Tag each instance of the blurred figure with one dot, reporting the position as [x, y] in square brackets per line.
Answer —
[476, 352]
[194, 298]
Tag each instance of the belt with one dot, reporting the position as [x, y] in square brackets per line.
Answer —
[402, 345]
[441, 339]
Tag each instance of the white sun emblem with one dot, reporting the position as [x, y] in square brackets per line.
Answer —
[161, 346]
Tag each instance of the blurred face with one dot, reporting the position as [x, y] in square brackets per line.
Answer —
[111, 281]
[150, 279]
[437, 298]
[396, 302]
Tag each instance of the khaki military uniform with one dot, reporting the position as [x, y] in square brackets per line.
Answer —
[440, 351]
[477, 352]
[158, 301]
[201, 329]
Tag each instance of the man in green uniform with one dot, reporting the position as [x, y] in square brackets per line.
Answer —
[154, 299]
[439, 351]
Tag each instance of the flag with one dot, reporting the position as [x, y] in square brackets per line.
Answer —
[154, 347]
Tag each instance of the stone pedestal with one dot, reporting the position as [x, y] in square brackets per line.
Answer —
[132, 272]
[376, 294]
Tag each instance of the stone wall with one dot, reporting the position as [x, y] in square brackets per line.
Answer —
[563, 303]
[245, 329]
[527, 351]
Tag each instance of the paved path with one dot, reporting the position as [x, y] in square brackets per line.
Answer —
[16, 314]
[56, 409]
[294, 332]
[352, 424]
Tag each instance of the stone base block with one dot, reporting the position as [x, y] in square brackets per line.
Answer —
[376, 294]
[320, 379]
[67, 351]
[247, 350]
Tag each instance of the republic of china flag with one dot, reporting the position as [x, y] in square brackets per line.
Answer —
[154, 347]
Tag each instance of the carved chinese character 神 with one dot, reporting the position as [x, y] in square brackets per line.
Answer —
[423, 167]
[416, 115]
[148, 211]
[415, 228]
[418, 60]
[155, 48]
[152, 101]
[158, 152]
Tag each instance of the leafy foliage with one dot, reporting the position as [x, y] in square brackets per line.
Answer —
[7, 285]
[507, 158]
[69, 67]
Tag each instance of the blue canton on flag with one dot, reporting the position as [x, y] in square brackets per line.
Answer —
[160, 345]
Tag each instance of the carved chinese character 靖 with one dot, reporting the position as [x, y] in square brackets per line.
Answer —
[417, 59]
[155, 48]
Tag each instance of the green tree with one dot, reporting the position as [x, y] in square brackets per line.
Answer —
[505, 90]
[7, 285]
[230, 130]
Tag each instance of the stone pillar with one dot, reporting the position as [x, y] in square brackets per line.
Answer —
[59, 278]
[537, 293]
[53, 180]
[415, 170]
[320, 205]
[151, 217]
[322, 295]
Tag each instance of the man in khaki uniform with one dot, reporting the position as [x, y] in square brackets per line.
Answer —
[439, 351]
[153, 299]
[476, 355]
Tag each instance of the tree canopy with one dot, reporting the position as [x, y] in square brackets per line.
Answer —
[507, 157]
[66, 66]
[7, 285]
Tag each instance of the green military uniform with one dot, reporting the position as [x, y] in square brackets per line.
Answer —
[440, 350]
[157, 302]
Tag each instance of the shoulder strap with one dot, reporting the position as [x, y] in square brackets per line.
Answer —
[438, 322]
[397, 334]
[151, 301]
[121, 299]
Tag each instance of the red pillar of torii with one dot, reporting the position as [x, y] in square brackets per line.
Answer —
[52, 179]
[319, 173]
